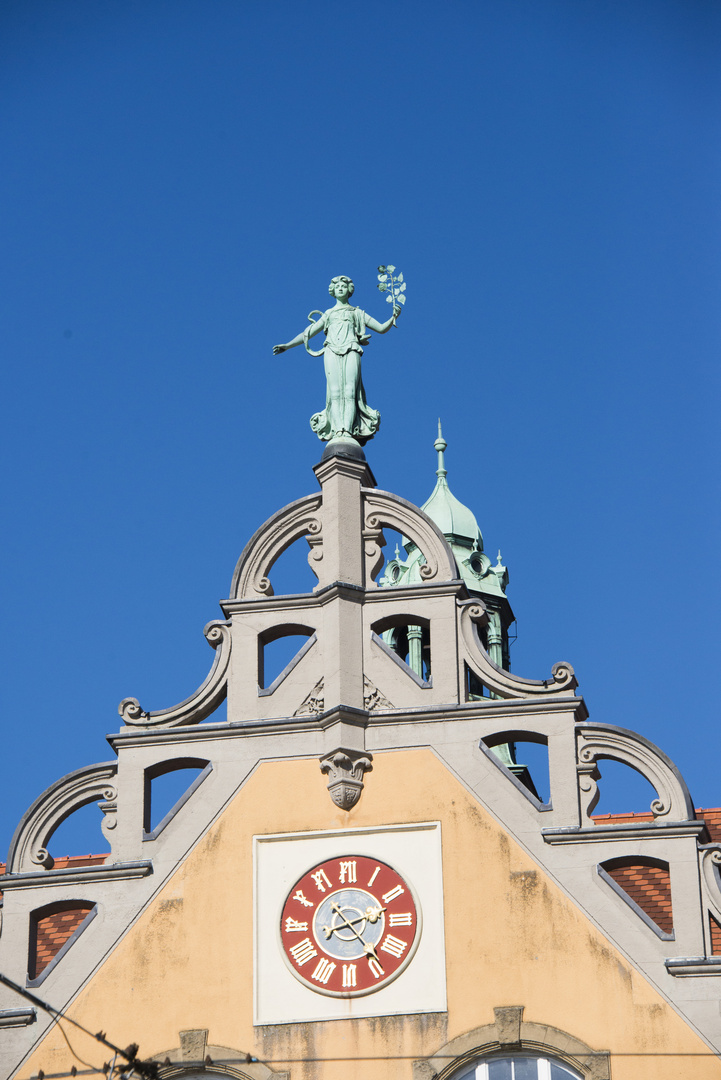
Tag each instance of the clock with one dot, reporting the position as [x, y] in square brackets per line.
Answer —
[349, 926]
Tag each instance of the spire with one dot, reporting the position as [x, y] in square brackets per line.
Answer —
[440, 445]
[455, 520]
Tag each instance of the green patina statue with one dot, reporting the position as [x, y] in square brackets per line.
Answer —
[346, 413]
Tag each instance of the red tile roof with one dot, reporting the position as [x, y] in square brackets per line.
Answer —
[62, 862]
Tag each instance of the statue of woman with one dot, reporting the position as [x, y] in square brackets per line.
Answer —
[346, 412]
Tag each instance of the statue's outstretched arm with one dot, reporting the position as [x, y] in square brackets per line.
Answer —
[383, 328]
[299, 338]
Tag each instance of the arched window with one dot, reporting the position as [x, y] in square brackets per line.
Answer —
[518, 1067]
[516, 1049]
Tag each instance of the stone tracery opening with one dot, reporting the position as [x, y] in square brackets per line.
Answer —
[278, 650]
[53, 928]
[645, 884]
[409, 636]
[525, 755]
[167, 787]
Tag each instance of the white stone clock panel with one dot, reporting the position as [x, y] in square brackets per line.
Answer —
[285, 990]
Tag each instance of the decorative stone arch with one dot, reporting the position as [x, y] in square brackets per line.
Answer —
[381, 508]
[29, 845]
[599, 741]
[510, 1032]
[297, 519]
[195, 1060]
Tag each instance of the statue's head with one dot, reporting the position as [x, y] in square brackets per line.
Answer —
[346, 281]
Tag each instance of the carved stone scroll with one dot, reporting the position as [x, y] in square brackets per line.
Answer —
[346, 769]
[598, 741]
[29, 846]
[471, 615]
[199, 705]
[299, 518]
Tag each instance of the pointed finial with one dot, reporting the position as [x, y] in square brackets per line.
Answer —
[440, 445]
[398, 553]
[498, 560]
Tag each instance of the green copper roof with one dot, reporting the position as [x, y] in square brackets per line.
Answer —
[455, 520]
[460, 528]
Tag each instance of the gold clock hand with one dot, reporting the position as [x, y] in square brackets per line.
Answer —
[372, 914]
[369, 949]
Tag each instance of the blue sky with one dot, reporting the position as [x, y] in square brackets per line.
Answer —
[180, 181]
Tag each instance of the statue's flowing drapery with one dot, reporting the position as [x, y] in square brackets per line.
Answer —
[346, 409]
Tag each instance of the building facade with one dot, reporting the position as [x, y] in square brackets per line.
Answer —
[361, 878]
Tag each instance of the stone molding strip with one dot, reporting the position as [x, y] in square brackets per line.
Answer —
[77, 874]
[510, 1032]
[626, 831]
[685, 966]
[17, 1017]
[487, 709]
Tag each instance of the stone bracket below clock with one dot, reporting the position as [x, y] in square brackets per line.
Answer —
[346, 769]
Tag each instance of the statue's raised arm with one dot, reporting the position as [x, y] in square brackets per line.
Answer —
[347, 413]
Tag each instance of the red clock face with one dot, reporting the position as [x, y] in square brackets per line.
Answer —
[349, 925]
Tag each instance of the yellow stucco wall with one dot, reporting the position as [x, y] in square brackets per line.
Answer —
[512, 938]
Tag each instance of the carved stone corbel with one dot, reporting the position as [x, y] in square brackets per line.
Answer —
[110, 816]
[588, 777]
[373, 544]
[346, 769]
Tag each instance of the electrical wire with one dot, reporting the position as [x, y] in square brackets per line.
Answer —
[77, 1057]
[147, 1069]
